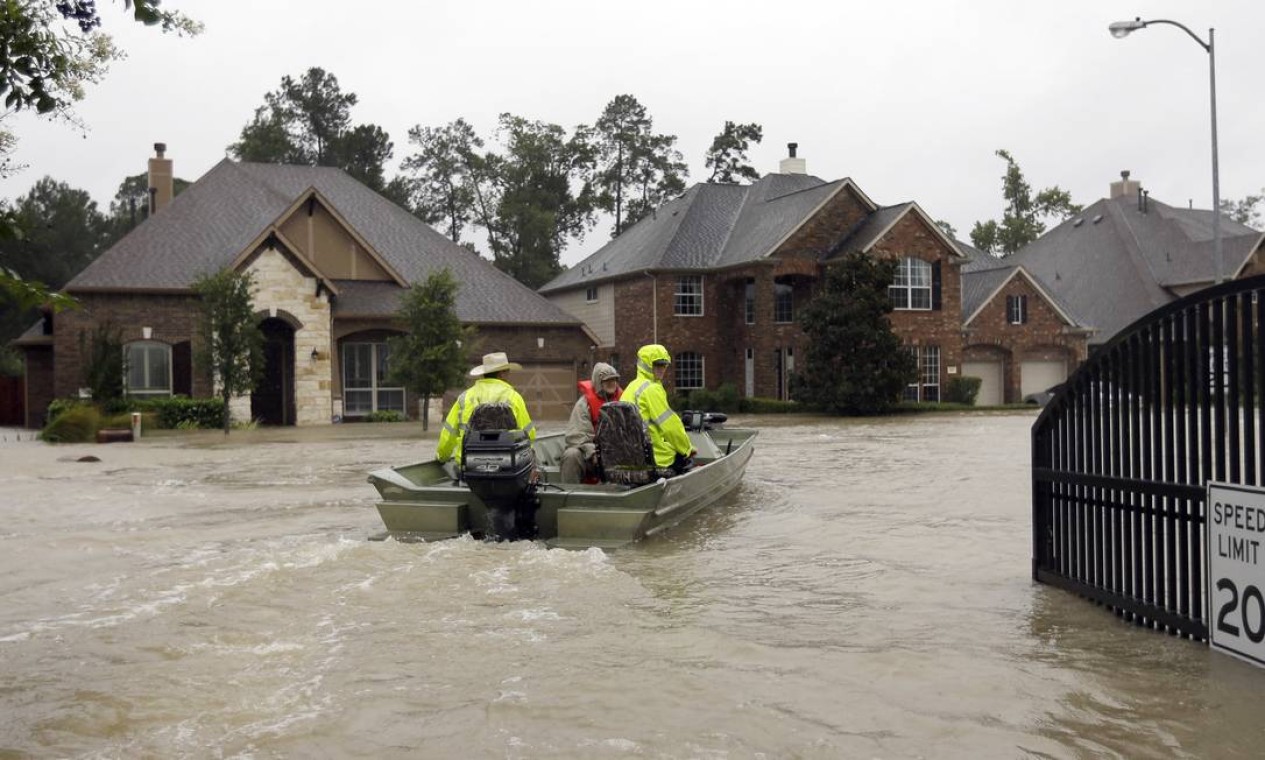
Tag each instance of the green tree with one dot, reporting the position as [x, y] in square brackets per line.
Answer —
[1023, 219]
[52, 48]
[534, 196]
[62, 232]
[727, 157]
[1244, 211]
[308, 121]
[230, 344]
[854, 363]
[103, 366]
[637, 170]
[130, 206]
[49, 51]
[428, 359]
[442, 181]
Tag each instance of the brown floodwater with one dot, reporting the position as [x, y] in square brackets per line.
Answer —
[866, 593]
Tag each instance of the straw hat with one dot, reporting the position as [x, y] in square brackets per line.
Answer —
[497, 362]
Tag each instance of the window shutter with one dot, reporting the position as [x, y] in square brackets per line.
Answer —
[181, 368]
[935, 286]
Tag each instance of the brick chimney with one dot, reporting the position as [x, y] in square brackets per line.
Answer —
[161, 180]
[791, 164]
[1125, 187]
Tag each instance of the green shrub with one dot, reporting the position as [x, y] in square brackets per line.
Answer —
[59, 406]
[78, 424]
[182, 413]
[384, 415]
[962, 390]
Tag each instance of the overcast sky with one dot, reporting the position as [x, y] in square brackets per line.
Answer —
[909, 99]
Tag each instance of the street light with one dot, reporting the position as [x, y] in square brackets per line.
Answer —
[1121, 29]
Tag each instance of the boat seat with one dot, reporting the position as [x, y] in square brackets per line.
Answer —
[623, 445]
[496, 415]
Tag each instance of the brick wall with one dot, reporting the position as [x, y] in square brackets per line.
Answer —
[172, 319]
[1045, 336]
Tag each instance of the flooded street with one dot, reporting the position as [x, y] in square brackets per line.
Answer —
[866, 593]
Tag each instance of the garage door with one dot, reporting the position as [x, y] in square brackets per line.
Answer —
[1035, 376]
[548, 389]
[991, 389]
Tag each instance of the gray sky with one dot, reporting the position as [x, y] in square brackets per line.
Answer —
[909, 99]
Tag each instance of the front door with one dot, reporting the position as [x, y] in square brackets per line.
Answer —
[272, 401]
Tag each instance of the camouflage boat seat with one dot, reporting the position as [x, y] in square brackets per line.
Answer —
[623, 445]
[493, 416]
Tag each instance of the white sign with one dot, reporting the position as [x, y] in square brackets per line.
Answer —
[1235, 531]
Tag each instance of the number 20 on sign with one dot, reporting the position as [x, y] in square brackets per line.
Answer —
[1235, 531]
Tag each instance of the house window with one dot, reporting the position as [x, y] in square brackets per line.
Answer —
[590, 294]
[912, 289]
[1017, 309]
[783, 301]
[927, 387]
[689, 370]
[689, 296]
[749, 299]
[148, 371]
[365, 386]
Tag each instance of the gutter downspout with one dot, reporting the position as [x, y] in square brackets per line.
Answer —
[654, 305]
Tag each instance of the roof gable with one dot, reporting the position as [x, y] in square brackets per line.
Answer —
[235, 206]
[994, 281]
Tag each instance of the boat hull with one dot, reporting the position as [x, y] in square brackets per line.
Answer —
[421, 501]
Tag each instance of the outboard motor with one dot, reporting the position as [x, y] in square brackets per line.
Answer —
[700, 421]
[497, 464]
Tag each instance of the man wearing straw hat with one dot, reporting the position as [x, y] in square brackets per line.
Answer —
[488, 389]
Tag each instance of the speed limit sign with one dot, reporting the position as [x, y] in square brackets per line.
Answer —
[1235, 530]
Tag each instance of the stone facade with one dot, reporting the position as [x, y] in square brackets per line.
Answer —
[281, 289]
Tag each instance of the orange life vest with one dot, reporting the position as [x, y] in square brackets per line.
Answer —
[595, 401]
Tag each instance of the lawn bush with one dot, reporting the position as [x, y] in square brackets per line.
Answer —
[384, 415]
[962, 390]
[182, 413]
[78, 424]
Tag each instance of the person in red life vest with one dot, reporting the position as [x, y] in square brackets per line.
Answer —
[579, 460]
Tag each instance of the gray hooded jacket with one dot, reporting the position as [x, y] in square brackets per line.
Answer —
[580, 426]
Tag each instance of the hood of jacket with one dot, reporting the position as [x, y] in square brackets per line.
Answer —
[602, 372]
[647, 356]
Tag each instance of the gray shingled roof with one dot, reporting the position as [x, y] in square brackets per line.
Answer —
[211, 222]
[709, 226]
[1113, 263]
[978, 286]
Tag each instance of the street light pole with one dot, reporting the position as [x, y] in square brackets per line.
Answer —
[1121, 29]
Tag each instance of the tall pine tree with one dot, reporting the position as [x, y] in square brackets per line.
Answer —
[854, 363]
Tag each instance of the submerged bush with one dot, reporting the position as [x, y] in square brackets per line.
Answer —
[78, 424]
[962, 390]
[384, 415]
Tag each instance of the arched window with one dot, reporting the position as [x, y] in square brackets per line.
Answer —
[689, 370]
[148, 371]
[912, 288]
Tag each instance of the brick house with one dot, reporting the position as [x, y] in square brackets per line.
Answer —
[331, 259]
[718, 273]
[1128, 254]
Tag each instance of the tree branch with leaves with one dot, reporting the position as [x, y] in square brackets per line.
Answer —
[1024, 218]
[429, 358]
[230, 344]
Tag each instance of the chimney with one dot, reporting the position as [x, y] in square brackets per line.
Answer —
[1125, 187]
[161, 180]
[791, 164]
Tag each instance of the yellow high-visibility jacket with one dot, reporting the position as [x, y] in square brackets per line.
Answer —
[667, 432]
[486, 390]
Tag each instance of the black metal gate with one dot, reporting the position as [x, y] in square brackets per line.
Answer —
[1121, 457]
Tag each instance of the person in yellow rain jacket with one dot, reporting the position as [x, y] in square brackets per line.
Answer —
[489, 388]
[672, 447]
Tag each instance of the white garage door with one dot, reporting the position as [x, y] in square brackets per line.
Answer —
[1035, 376]
[548, 389]
[991, 387]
